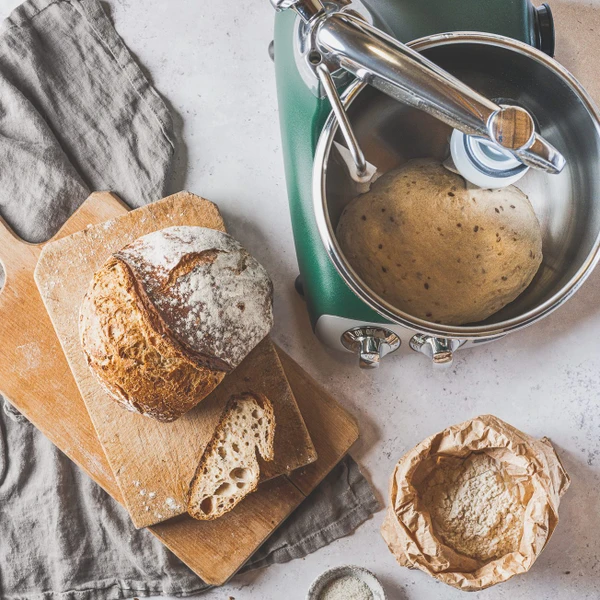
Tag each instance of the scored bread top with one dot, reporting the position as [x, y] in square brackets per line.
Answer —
[214, 297]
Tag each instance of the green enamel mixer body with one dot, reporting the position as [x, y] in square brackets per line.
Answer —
[302, 116]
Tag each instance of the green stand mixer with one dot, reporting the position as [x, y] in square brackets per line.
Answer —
[357, 98]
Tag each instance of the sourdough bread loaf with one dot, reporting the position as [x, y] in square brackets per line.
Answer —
[229, 470]
[169, 315]
[438, 250]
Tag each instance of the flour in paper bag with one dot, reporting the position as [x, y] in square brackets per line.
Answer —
[476, 509]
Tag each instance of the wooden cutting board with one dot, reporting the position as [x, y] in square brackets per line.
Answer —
[35, 377]
[154, 462]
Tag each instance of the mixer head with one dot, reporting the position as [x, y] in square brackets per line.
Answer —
[493, 144]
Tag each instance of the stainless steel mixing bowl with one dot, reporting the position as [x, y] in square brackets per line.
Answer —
[567, 205]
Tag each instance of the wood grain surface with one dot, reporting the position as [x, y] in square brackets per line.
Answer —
[35, 377]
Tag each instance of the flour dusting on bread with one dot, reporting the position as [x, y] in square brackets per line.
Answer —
[213, 295]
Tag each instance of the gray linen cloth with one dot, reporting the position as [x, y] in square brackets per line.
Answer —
[77, 114]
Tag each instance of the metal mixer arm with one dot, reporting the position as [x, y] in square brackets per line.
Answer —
[395, 69]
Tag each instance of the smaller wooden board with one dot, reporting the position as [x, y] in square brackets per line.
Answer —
[154, 462]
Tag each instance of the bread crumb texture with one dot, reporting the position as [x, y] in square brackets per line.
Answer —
[437, 250]
[229, 470]
[475, 506]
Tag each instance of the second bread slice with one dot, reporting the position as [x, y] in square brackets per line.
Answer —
[229, 469]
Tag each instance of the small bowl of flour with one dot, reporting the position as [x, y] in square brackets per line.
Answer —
[346, 583]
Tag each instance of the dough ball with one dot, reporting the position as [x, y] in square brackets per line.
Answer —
[439, 251]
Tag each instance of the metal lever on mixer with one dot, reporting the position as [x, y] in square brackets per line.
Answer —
[347, 41]
[307, 9]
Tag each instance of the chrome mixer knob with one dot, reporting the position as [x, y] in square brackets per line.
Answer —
[440, 350]
[512, 127]
[371, 344]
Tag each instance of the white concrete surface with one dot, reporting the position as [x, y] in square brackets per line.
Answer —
[209, 59]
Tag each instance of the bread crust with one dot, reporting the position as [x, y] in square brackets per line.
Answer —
[129, 352]
[134, 337]
[267, 453]
[213, 296]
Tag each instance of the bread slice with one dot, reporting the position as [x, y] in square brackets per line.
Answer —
[229, 470]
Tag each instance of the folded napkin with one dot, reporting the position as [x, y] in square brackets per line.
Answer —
[77, 114]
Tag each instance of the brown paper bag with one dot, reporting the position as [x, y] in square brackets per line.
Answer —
[408, 529]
